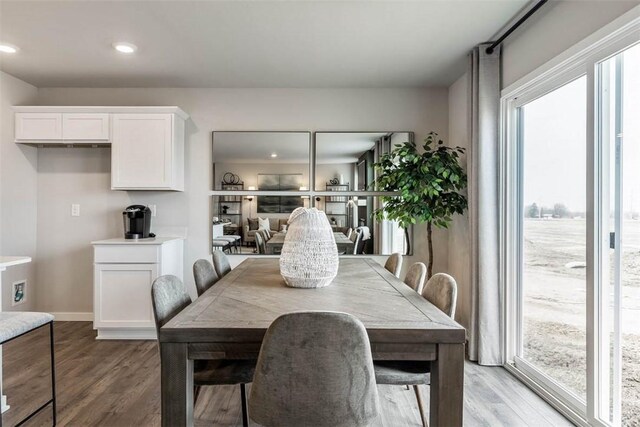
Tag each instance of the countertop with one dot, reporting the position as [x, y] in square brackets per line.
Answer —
[148, 241]
[8, 261]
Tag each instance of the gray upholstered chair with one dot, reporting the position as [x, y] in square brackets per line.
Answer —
[441, 291]
[415, 276]
[394, 264]
[260, 242]
[18, 323]
[169, 298]
[205, 275]
[314, 369]
[221, 263]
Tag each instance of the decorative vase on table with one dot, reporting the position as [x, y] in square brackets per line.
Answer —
[309, 257]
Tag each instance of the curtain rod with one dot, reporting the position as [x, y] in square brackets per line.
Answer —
[520, 21]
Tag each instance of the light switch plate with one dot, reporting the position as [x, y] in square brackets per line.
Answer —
[75, 209]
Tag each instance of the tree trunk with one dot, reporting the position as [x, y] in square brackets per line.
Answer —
[406, 237]
[430, 242]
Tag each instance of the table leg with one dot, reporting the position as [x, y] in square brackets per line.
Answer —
[447, 386]
[176, 385]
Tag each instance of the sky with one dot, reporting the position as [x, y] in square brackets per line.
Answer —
[555, 142]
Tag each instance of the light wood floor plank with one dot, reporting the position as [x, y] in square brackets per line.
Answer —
[117, 383]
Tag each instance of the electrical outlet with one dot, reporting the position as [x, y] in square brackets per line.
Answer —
[153, 210]
[75, 209]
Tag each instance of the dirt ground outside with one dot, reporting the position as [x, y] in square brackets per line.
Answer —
[555, 306]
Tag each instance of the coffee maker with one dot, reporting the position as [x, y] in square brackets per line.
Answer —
[137, 222]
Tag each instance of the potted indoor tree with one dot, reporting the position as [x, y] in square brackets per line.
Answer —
[428, 184]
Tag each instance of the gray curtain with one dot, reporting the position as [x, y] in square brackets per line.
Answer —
[485, 332]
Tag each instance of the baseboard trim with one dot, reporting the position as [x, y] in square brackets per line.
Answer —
[73, 316]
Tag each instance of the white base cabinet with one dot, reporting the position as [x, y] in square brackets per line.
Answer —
[123, 274]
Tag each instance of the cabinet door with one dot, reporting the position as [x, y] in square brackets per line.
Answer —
[38, 126]
[141, 151]
[122, 295]
[85, 126]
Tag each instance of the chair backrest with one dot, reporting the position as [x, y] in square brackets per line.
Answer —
[260, 244]
[442, 291]
[415, 276]
[221, 263]
[394, 264]
[314, 368]
[205, 275]
[356, 241]
[168, 298]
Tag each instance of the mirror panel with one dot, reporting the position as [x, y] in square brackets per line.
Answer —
[240, 216]
[344, 160]
[262, 161]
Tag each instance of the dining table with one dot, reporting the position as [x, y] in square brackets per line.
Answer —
[275, 243]
[231, 318]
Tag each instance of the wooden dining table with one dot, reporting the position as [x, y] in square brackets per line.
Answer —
[230, 320]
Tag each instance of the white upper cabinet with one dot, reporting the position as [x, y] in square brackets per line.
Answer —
[147, 152]
[147, 143]
[38, 127]
[85, 127]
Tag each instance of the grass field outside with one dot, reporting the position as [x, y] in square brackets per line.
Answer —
[554, 308]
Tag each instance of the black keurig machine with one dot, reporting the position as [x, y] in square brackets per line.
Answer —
[137, 222]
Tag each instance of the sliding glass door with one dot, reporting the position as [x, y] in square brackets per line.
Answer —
[619, 124]
[571, 232]
[552, 148]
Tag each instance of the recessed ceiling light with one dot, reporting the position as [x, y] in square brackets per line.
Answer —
[124, 47]
[8, 48]
[274, 155]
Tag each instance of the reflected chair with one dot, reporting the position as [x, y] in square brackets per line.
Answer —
[221, 263]
[394, 264]
[415, 276]
[169, 298]
[441, 291]
[204, 275]
[348, 232]
[356, 238]
[315, 369]
[260, 243]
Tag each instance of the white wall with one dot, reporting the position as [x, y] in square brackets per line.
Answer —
[81, 175]
[554, 28]
[18, 193]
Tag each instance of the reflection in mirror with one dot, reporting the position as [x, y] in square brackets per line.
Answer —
[352, 217]
[266, 161]
[344, 160]
[238, 219]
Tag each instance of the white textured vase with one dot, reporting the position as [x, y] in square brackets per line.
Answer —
[309, 256]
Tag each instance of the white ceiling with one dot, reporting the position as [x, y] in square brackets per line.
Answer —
[309, 44]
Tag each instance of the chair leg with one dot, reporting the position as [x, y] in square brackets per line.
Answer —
[196, 393]
[420, 408]
[53, 376]
[245, 411]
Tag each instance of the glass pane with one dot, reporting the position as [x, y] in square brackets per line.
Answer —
[265, 161]
[236, 215]
[344, 160]
[620, 109]
[554, 235]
